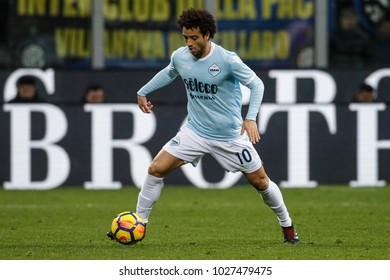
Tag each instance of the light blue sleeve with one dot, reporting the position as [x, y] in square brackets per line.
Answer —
[255, 99]
[163, 78]
[248, 78]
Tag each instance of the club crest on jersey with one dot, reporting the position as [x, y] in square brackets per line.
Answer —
[214, 70]
[175, 141]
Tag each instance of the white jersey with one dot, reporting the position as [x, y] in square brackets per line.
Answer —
[213, 90]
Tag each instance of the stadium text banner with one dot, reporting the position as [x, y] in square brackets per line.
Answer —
[106, 146]
[186, 269]
[264, 33]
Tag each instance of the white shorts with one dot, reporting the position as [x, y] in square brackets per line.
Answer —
[232, 155]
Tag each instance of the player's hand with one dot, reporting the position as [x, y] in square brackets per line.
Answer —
[145, 105]
[251, 129]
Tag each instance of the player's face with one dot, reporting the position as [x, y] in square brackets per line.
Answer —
[198, 44]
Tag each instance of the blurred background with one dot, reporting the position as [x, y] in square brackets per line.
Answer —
[316, 58]
[85, 34]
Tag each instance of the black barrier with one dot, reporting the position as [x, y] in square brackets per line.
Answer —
[311, 134]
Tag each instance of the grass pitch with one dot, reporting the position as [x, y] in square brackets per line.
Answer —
[333, 223]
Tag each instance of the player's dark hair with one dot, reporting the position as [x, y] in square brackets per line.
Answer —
[193, 18]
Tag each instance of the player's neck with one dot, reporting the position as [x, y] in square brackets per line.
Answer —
[207, 50]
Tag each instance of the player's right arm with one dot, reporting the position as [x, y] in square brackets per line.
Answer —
[163, 78]
[145, 105]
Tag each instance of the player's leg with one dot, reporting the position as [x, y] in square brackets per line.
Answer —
[272, 196]
[185, 147]
[240, 155]
[161, 166]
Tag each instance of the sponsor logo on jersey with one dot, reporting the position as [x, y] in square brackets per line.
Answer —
[202, 97]
[194, 85]
[214, 70]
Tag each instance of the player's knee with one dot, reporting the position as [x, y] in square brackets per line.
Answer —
[154, 170]
[258, 181]
[263, 183]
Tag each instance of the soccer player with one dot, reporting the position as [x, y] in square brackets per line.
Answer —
[211, 76]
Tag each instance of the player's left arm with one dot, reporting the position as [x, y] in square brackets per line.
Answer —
[250, 125]
[248, 78]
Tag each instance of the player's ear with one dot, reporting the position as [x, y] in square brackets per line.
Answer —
[207, 36]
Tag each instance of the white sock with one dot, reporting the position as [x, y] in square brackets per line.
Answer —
[148, 195]
[274, 199]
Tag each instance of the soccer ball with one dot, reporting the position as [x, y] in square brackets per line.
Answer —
[127, 228]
